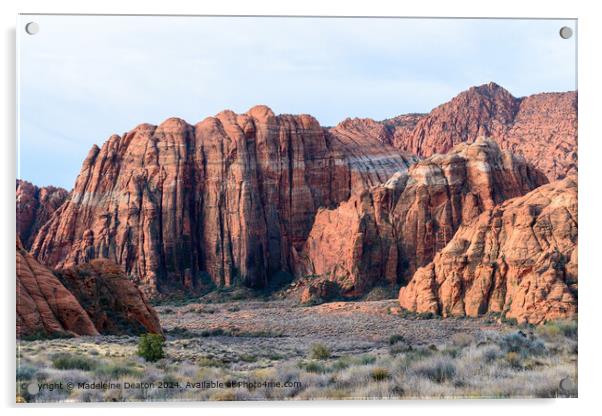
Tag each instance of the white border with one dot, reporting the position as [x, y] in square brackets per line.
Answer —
[590, 203]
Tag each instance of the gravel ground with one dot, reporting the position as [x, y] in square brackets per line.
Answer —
[280, 328]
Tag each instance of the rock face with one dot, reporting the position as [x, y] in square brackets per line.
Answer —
[320, 291]
[86, 300]
[34, 207]
[541, 127]
[518, 259]
[230, 198]
[383, 234]
[44, 306]
[113, 302]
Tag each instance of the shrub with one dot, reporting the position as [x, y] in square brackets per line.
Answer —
[25, 372]
[399, 348]
[462, 339]
[380, 374]
[319, 352]
[513, 359]
[438, 369]
[64, 361]
[381, 293]
[313, 367]
[209, 362]
[521, 343]
[249, 358]
[426, 315]
[150, 347]
[365, 359]
[552, 330]
[394, 339]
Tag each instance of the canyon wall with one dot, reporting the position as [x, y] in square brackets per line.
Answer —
[518, 259]
[382, 235]
[229, 199]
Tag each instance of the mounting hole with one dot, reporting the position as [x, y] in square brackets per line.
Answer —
[566, 32]
[32, 28]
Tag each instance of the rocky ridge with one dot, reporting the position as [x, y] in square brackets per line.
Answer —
[35, 206]
[541, 127]
[232, 198]
[382, 235]
[44, 306]
[89, 299]
[113, 302]
[518, 259]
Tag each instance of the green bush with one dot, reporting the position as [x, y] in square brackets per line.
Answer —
[319, 352]
[313, 367]
[553, 330]
[522, 344]
[116, 370]
[150, 347]
[66, 361]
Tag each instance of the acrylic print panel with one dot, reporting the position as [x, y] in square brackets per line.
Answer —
[281, 208]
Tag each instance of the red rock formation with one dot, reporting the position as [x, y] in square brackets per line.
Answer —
[519, 259]
[34, 207]
[44, 306]
[319, 291]
[541, 127]
[232, 197]
[384, 234]
[113, 302]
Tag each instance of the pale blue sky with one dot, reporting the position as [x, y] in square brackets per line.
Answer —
[83, 78]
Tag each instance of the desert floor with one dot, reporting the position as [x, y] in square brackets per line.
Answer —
[277, 350]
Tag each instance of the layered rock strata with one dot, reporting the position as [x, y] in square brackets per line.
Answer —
[383, 234]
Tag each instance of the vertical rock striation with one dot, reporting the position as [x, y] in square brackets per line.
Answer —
[518, 259]
[381, 235]
[231, 198]
[34, 207]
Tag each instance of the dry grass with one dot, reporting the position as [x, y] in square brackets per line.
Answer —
[498, 363]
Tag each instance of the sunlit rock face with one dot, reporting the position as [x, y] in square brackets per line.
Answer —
[518, 259]
[382, 235]
[232, 198]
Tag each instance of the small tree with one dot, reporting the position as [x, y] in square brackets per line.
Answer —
[150, 347]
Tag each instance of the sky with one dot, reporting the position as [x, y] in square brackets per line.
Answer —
[83, 78]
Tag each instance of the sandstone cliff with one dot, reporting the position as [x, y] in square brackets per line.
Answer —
[113, 302]
[230, 198]
[44, 306]
[381, 235]
[541, 127]
[34, 207]
[86, 300]
[518, 259]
